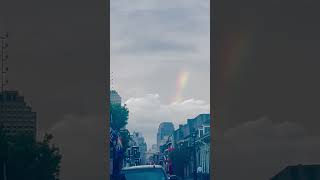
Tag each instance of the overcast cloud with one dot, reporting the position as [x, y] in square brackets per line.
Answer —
[152, 41]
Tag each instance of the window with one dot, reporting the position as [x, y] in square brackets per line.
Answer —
[200, 132]
[206, 130]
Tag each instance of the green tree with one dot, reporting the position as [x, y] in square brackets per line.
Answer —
[27, 159]
[119, 115]
[125, 137]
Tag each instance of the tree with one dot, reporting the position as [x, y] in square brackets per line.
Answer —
[27, 159]
[119, 115]
[119, 119]
[125, 137]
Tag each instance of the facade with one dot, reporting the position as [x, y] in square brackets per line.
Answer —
[203, 149]
[192, 125]
[165, 150]
[115, 97]
[134, 156]
[164, 131]
[196, 134]
[138, 140]
[299, 172]
[16, 117]
[154, 148]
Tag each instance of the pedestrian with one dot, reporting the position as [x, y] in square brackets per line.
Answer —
[199, 173]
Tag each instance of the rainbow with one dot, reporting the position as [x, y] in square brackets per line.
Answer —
[236, 52]
[181, 83]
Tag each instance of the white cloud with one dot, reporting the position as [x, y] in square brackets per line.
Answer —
[147, 112]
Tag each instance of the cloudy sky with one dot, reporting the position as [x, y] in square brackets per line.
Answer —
[160, 60]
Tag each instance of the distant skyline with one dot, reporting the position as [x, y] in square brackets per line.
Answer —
[160, 61]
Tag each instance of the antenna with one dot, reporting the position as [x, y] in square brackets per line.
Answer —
[112, 82]
[4, 62]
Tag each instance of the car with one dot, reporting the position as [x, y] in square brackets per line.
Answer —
[144, 172]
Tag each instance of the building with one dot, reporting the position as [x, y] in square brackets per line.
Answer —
[165, 151]
[184, 131]
[164, 131]
[299, 172]
[115, 98]
[203, 148]
[154, 148]
[196, 134]
[134, 156]
[138, 140]
[16, 117]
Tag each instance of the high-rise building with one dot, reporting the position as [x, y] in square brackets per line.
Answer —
[16, 117]
[165, 129]
[115, 97]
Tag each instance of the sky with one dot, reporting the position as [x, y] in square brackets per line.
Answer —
[160, 61]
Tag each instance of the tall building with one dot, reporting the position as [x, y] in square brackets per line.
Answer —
[16, 117]
[164, 131]
[115, 97]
